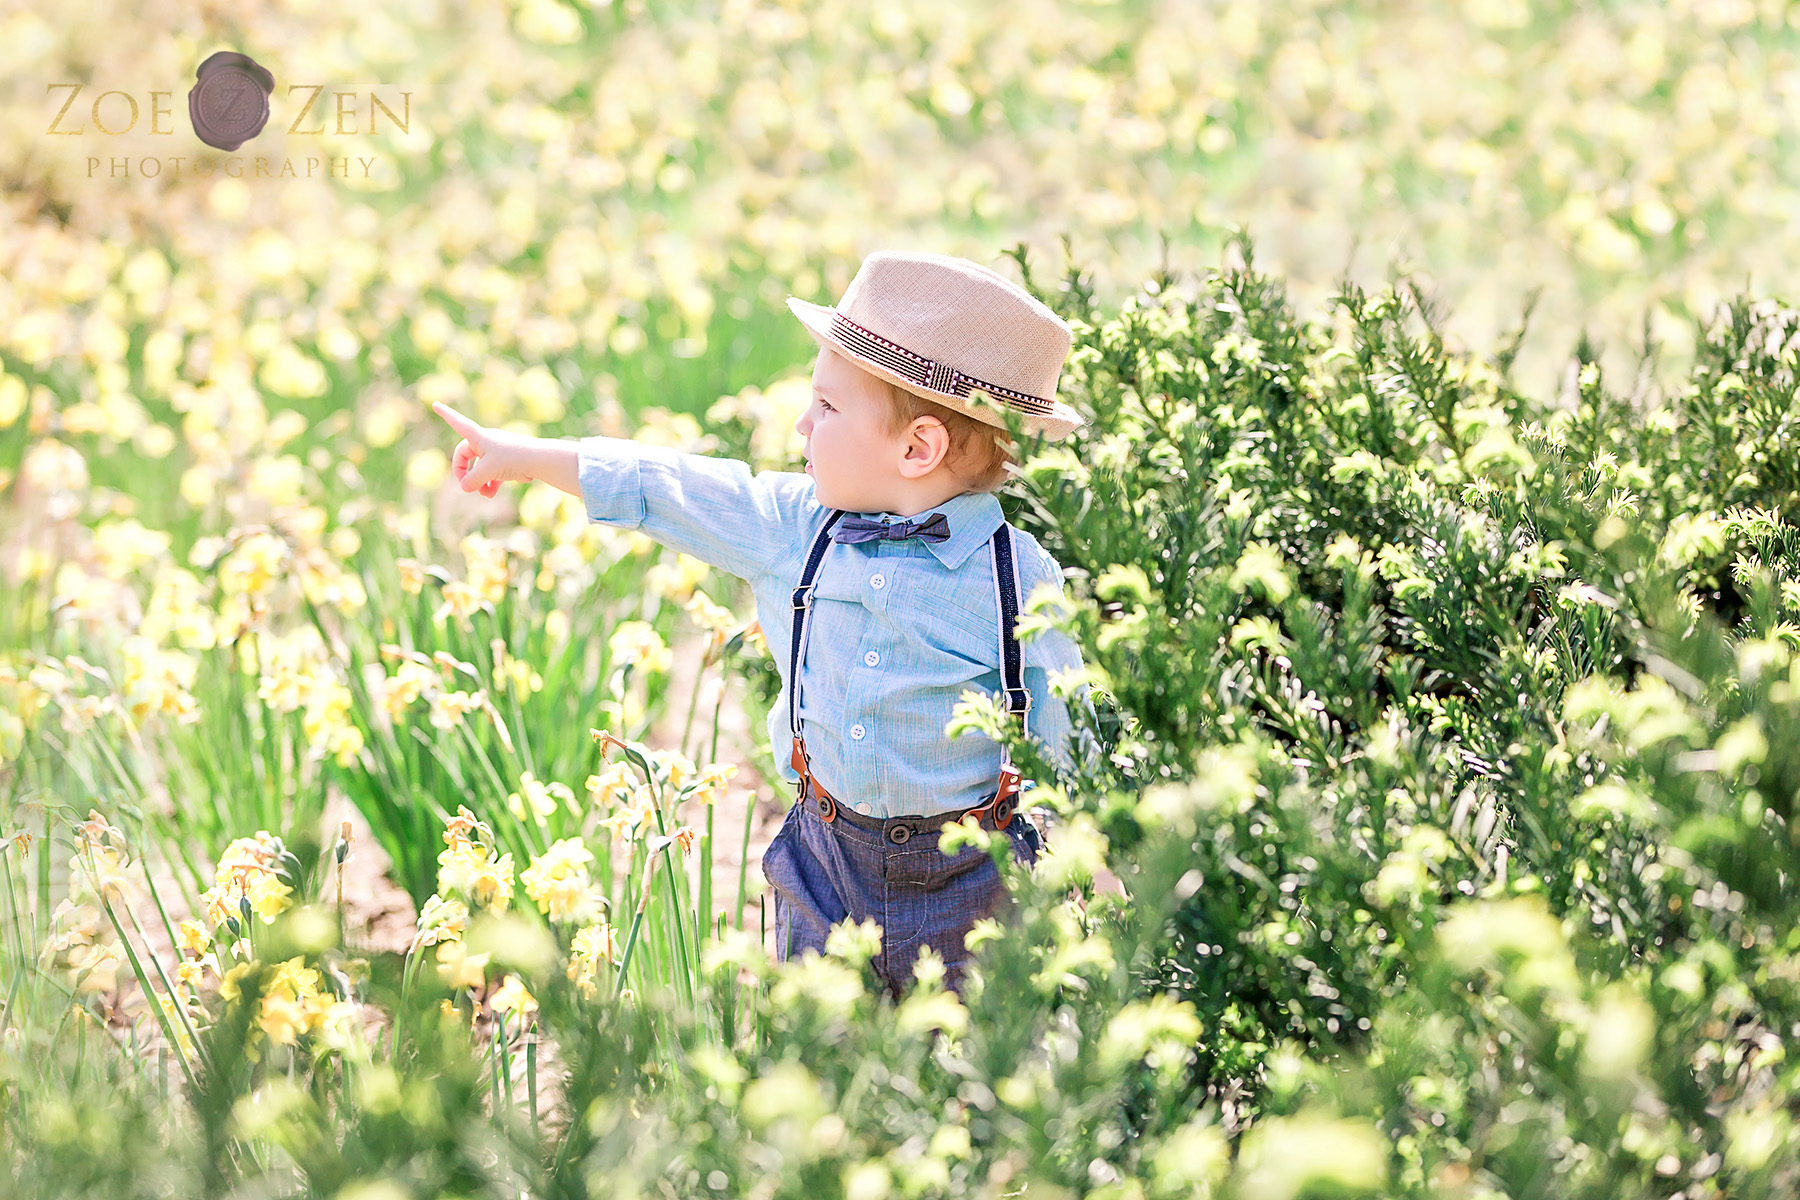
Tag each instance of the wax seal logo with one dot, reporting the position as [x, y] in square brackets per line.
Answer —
[230, 103]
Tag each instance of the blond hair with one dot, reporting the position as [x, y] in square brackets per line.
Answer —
[978, 453]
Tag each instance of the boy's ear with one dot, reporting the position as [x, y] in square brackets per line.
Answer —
[927, 443]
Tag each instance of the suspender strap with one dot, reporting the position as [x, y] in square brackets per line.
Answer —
[802, 605]
[1006, 599]
[803, 615]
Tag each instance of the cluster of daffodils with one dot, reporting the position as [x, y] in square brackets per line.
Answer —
[559, 884]
[82, 948]
[473, 876]
[633, 803]
[468, 866]
[248, 884]
[297, 674]
[419, 676]
[292, 1004]
[50, 682]
[487, 577]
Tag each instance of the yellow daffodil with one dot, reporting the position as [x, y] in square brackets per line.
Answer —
[557, 881]
[281, 1019]
[511, 997]
[541, 796]
[449, 708]
[461, 599]
[268, 896]
[470, 868]
[710, 787]
[613, 781]
[460, 969]
[635, 644]
[193, 940]
[440, 920]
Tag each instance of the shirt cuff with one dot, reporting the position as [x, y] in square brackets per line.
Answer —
[612, 487]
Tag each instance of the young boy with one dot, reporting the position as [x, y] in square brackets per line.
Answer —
[884, 577]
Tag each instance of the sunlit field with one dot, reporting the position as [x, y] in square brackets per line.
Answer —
[1432, 548]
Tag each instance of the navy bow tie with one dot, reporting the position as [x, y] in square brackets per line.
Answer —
[934, 528]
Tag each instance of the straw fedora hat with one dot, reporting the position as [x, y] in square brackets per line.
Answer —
[950, 330]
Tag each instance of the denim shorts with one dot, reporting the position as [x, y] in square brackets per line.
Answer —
[825, 873]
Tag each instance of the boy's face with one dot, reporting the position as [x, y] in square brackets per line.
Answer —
[854, 465]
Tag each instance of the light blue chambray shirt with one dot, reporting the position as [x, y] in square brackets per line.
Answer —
[899, 628]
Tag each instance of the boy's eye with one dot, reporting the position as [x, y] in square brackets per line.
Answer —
[826, 405]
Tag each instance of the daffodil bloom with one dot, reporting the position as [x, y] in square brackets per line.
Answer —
[296, 978]
[614, 781]
[488, 569]
[229, 988]
[635, 818]
[458, 828]
[461, 600]
[440, 920]
[281, 1019]
[710, 787]
[711, 616]
[511, 997]
[268, 896]
[448, 708]
[99, 870]
[673, 766]
[412, 576]
[192, 971]
[408, 682]
[469, 868]
[258, 561]
[557, 880]
[339, 1026]
[596, 941]
[261, 851]
[157, 680]
[542, 797]
[96, 831]
[685, 837]
[458, 968]
[635, 644]
[514, 671]
[193, 939]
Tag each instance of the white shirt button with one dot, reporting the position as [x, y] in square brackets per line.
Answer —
[871, 658]
[858, 732]
[877, 581]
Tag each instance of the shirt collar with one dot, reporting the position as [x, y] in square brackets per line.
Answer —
[973, 517]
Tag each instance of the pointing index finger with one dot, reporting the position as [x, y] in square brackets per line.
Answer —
[457, 421]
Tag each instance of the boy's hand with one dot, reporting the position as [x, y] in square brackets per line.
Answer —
[486, 458]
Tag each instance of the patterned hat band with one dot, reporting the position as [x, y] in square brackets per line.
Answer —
[939, 377]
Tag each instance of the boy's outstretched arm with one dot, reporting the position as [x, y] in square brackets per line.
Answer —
[714, 509]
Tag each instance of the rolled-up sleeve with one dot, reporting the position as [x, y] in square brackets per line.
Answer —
[714, 509]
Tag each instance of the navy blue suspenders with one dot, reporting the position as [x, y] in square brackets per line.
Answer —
[1012, 667]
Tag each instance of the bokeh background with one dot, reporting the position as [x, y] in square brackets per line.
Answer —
[610, 200]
